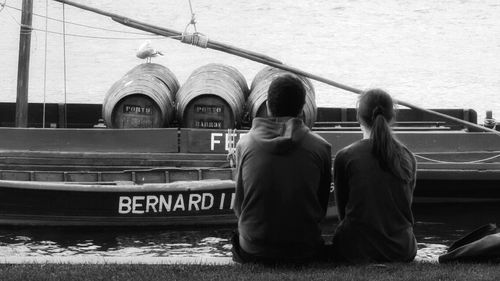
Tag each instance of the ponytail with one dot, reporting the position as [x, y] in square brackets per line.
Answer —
[376, 110]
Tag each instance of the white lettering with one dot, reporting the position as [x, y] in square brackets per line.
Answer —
[230, 141]
[165, 203]
[136, 205]
[207, 204]
[214, 141]
[231, 206]
[179, 204]
[124, 205]
[151, 202]
[222, 197]
[194, 202]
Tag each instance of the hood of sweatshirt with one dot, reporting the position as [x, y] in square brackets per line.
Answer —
[278, 135]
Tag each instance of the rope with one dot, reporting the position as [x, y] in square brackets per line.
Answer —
[79, 24]
[196, 38]
[45, 64]
[79, 35]
[3, 5]
[459, 162]
[193, 19]
[231, 144]
[98, 37]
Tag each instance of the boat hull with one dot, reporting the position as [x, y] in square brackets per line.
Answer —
[182, 203]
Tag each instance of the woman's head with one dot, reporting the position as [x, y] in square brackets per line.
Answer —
[376, 112]
[373, 104]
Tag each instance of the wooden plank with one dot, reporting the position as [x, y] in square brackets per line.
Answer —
[218, 141]
[82, 176]
[15, 175]
[78, 115]
[119, 156]
[420, 142]
[180, 175]
[396, 129]
[338, 114]
[117, 166]
[462, 166]
[222, 174]
[467, 175]
[151, 177]
[139, 176]
[175, 161]
[48, 176]
[110, 176]
[86, 140]
[429, 125]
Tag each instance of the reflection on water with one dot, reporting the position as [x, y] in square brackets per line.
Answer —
[436, 227]
[117, 242]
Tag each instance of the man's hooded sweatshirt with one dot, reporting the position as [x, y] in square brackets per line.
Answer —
[282, 188]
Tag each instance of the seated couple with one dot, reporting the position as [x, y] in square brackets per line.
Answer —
[283, 184]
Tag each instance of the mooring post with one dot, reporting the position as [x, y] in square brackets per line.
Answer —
[23, 68]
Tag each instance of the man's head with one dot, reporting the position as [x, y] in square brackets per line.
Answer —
[286, 96]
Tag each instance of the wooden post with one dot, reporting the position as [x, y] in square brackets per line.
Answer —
[23, 68]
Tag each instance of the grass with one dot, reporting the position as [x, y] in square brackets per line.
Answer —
[413, 271]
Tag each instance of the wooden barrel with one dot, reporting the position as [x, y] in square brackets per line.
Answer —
[213, 97]
[256, 102]
[143, 98]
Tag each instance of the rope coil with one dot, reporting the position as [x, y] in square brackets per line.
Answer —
[197, 39]
[231, 154]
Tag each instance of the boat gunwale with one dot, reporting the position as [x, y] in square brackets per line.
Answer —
[126, 187]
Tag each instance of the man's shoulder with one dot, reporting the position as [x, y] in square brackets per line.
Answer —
[317, 139]
[246, 140]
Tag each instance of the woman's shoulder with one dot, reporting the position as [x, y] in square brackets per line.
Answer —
[406, 150]
[358, 145]
[355, 148]
[411, 154]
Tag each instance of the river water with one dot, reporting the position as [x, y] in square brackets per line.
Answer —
[435, 54]
[436, 227]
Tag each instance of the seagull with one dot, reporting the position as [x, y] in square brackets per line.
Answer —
[146, 51]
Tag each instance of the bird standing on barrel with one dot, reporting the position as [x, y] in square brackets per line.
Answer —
[146, 51]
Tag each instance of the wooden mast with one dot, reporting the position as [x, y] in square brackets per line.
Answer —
[23, 68]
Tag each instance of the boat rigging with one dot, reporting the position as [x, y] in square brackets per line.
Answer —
[202, 41]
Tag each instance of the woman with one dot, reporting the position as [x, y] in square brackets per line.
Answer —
[374, 181]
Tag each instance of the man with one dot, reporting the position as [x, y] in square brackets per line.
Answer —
[283, 182]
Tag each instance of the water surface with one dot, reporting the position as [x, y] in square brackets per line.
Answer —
[431, 53]
[436, 228]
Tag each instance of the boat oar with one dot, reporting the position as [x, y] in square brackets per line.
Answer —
[203, 41]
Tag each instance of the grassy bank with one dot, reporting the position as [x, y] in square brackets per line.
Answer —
[414, 271]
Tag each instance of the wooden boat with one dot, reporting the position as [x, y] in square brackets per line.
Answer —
[76, 176]
[69, 168]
